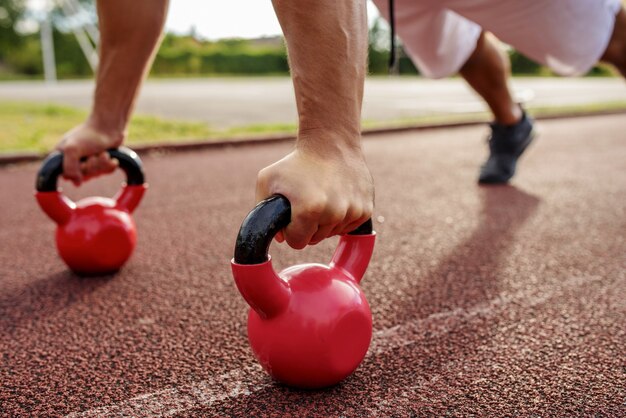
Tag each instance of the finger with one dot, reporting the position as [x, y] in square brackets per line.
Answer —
[89, 166]
[299, 232]
[357, 218]
[333, 218]
[99, 164]
[71, 165]
[323, 232]
[280, 237]
[353, 226]
[106, 164]
[85, 167]
[353, 216]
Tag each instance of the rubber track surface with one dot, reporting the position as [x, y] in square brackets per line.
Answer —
[492, 301]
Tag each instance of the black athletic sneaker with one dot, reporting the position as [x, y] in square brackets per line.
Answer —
[506, 144]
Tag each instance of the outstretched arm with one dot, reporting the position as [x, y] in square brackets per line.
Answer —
[325, 178]
[130, 32]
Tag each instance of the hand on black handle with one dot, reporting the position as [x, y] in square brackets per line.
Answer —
[263, 223]
[52, 168]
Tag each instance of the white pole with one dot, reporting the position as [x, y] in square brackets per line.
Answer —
[89, 27]
[47, 49]
[84, 37]
[88, 50]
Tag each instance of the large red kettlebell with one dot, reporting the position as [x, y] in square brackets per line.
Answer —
[95, 235]
[310, 325]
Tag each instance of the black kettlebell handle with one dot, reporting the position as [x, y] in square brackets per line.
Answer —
[263, 223]
[52, 168]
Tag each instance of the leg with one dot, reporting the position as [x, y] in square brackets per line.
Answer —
[615, 52]
[441, 42]
[487, 70]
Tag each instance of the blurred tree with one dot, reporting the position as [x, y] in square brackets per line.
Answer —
[186, 54]
[378, 48]
[68, 15]
[520, 64]
[10, 12]
[379, 44]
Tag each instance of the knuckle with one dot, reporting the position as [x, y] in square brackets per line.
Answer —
[69, 148]
[354, 213]
[338, 218]
[367, 212]
[263, 176]
[262, 182]
[314, 209]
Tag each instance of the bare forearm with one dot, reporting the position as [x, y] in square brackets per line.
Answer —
[130, 34]
[327, 44]
[325, 178]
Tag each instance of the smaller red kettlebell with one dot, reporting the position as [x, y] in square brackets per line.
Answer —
[95, 235]
[309, 326]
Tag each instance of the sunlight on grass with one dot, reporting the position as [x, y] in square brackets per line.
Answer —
[38, 127]
[267, 129]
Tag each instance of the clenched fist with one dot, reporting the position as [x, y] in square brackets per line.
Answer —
[331, 192]
[90, 144]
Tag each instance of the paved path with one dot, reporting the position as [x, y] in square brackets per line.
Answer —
[247, 101]
[493, 301]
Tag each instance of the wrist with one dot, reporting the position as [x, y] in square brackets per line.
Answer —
[112, 126]
[330, 143]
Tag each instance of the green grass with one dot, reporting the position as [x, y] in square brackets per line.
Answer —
[260, 129]
[38, 127]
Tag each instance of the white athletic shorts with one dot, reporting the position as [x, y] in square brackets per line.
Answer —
[569, 36]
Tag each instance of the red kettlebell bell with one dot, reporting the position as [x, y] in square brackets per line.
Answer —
[310, 325]
[95, 235]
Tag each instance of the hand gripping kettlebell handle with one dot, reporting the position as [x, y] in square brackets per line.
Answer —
[52, 168]
[59, 207]
[263, 223]
[254, 275]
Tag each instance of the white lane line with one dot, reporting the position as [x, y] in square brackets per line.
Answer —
[168, 402]
[442, 322]
[248, 380]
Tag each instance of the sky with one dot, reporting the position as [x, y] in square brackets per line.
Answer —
[215, 19]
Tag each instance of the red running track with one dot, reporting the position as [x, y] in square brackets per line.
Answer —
[487, 300]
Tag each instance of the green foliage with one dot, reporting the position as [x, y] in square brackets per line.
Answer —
[405, 65]
[379, 45]
[378, 61]
[69, 58]
[602, 70]
[10, 11]
[26, 59]
[522, 65]
[186, 55]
